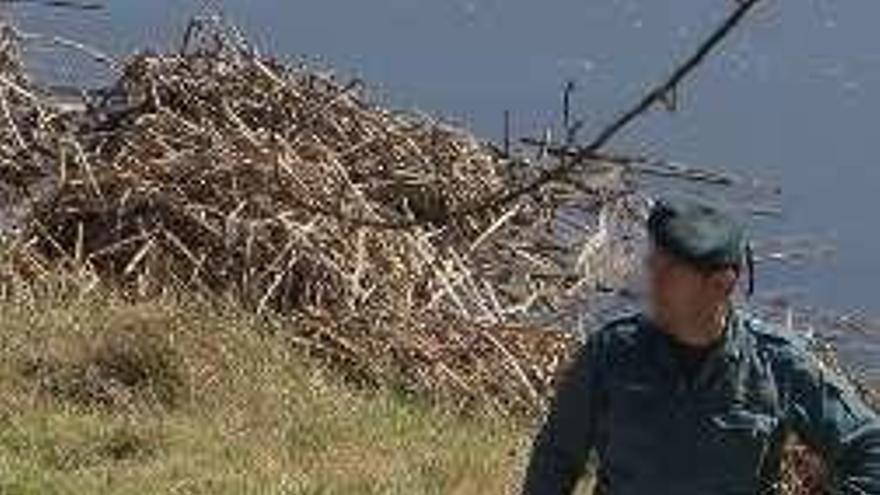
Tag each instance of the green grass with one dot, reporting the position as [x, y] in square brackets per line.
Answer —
[102, 396]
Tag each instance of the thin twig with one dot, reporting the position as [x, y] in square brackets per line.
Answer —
[652, 97]
[63, 42]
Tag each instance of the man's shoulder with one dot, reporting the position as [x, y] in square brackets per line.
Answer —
[621, 332]
[772, 335]
[778, 343]
[612, 342]
[793, 355]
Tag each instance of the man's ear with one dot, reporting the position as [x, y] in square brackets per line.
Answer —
[724, 281]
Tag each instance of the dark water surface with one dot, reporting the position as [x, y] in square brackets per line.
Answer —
[794, 99]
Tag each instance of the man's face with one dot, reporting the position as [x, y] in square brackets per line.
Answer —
[678, 290]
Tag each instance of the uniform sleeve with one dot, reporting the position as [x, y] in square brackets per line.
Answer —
[562, 446]
[832, 418]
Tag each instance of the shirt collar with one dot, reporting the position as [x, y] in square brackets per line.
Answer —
[734, 335]
[722, 358]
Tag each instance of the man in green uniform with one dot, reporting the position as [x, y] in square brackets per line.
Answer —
[696, 397]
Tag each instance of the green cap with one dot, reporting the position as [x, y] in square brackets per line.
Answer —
[698, 233]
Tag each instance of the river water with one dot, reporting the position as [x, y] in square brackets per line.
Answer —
[793, 100]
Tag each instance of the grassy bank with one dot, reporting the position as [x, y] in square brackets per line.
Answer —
[102, 396]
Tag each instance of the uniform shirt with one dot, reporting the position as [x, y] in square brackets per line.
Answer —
[691, 358]
[656, 430]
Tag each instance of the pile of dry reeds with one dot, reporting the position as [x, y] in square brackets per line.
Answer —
[217, 170]
[30, 130]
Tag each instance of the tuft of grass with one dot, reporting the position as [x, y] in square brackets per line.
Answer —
[99, 395]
